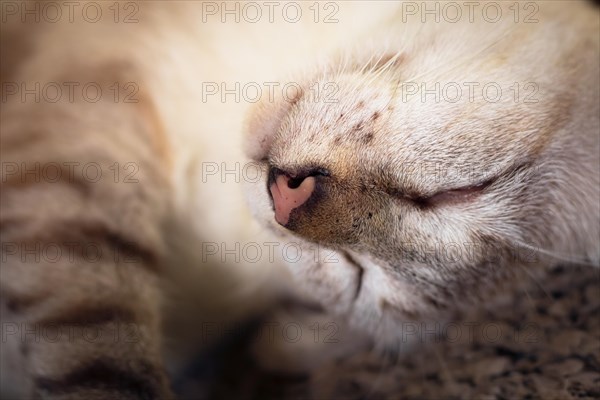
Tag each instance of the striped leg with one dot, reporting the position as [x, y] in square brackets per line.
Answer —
[84, 194]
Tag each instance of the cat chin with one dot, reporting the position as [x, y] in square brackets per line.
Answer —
[356, 290]
[348, 284]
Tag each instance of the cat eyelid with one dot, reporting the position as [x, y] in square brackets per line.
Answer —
[461, 194]
[452, 196]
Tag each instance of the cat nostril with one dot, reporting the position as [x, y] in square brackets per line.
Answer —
[295, 180]
[294, 183]
[289, 193]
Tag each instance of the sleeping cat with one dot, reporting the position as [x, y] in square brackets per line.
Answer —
[432, 187]
[416, 200]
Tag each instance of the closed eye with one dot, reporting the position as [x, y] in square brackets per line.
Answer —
[462, 194]
[442, 197]
[451, 196]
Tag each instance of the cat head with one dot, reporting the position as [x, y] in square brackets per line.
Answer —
[426, 199]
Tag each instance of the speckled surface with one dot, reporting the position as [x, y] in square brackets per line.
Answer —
[540, 342]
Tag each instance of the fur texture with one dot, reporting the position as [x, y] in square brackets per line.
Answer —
[532, 180]
[433, 200]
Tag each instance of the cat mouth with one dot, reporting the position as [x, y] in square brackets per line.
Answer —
[359, 274]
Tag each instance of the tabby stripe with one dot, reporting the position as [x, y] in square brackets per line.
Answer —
[123, 249]
[17, 303]
[142, 381]
[18, 182]
[6, 224]
[88, 315]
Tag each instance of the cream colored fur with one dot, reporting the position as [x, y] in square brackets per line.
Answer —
[371, 54]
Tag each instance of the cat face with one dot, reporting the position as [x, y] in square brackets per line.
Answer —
[427, 204]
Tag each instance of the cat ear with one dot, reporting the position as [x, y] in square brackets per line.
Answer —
[263, 122]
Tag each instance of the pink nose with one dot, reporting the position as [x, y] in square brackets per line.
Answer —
[286, 199]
